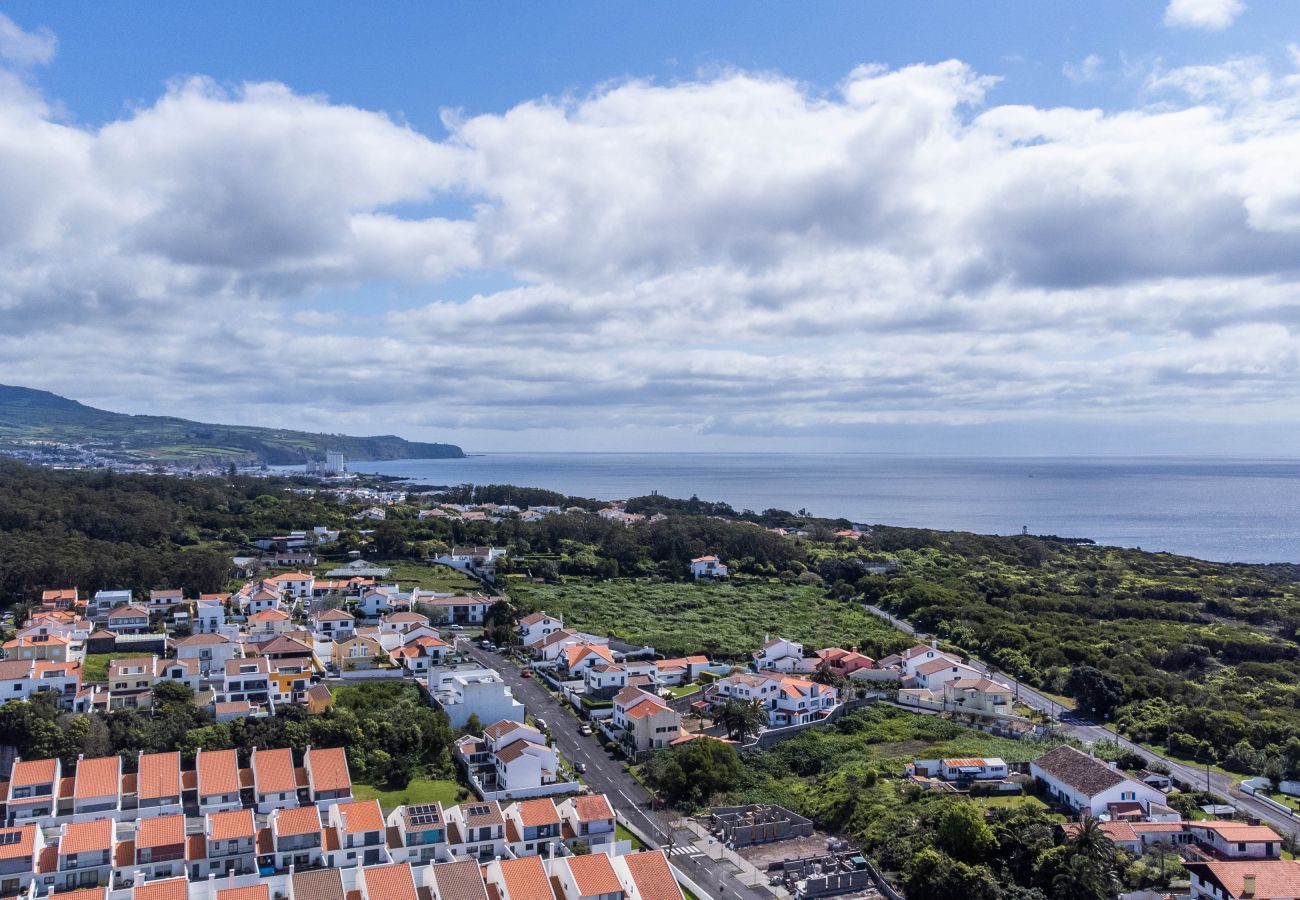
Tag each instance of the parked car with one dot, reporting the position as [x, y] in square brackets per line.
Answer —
[581, 767]
[527, 673]
[584, 729]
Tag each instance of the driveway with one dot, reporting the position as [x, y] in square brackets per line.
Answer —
[608, 776]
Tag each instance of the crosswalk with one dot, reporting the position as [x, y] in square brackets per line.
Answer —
[686, 850]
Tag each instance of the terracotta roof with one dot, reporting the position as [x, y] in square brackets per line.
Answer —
[251, 892]
[525, 879]
[79, 837]
[218, 772]
[160, 831]
[203, 640]
[1116, 831]
[25, 845]
[654, 879]
[170, 889]
[504, 727]
[231, 824]
[196, 846]
[95, 893]
[329, 769]
[534, 618]
[576, 654]
[392, 882]
[130, 611]
[1274, 878]
[1079, 771]
[537, 812]
[478, 815]
[297, 820]
[334, 615]
[1238, 831]
[319, 692]
[461, 880]
[269, 615]
[273, 771]
[938, 665]
[592, 808]
[159, 776]
[594, 874]
[360, 816]
[321, 884]
[28, 772]
[515, 749]
[124, 855]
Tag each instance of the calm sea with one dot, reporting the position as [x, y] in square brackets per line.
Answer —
[1219, 509]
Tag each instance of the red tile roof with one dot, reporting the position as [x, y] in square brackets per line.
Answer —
[170, 889]
[525, 879]
[218, 772]
[160, 831]
[159, 776]
[329, 769]
[392, 882]
[251, 892]
[298, 820]
[362, 815]
[98, 777]
[24, 846]
[594, 874]
[231, 824]
[273, 771]
[30, 772]
[80, 837]
[592, 807]
[654, 879]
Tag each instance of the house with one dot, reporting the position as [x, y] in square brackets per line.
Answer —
[318, 884]
[49, 647]
[845, 662]
[462, 693]
[209, 615]
[357, 653]
[782, 655]
[1275, 879]
[421, 655]
[97, 788]
[268, 623]
[421, 833]
[218, 780]
[534, 627]
[965, 769]
[20, 679]
[401, 622]
[244, 679]
[590, 876]
[908, 661]
[129, 619]
[295, 584]
[210, 651]
[105, 602]
[788, 700]
[328, 779]
[33, 789]
[319, 699]
[166, 601]
[131, 681]
[158, 784]
[476, 830]
[644, 722]
[231, 845]
[362, 834]
[511, 759]
[160, 848]
[459, 610]
[524, 878]
[1236, 840]
[289, 680]
[709, 567]
[333, 624]
[469, 559]
[395, 881]
[933, 675]
[590, 819]
[583, 656]
[977, 697]
[260, 601]
[647, 876]
[297, 837]
[84, 855]
[375, 603]
[534, 827]
[60, 598]
[1087, 785]
[680, 670]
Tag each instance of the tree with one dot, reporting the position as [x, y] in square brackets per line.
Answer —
[740, 718]
[693, 772]
[1098, 692]
[962, 833]
[933, 875]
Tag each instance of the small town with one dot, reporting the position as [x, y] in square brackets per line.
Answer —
[555, 732]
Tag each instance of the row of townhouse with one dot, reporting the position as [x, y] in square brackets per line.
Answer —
[40, 792]
[646, 875]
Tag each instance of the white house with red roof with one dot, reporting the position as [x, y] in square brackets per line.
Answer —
[780, 654]
[535, 626]
[643, 722]
[708, 568]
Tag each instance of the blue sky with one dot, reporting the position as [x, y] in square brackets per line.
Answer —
[1007, 227]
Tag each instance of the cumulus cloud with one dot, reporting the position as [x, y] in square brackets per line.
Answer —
[1209, 15]
[25, 48]
[737, 254]
[1085, 70]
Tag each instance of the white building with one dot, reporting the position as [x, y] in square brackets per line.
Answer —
[1087, 785]
[465, 692]
[708, 567]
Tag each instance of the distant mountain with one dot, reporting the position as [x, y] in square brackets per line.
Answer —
[30, 415]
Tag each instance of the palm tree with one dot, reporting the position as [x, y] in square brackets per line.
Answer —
[740, 718]
[1091, 842]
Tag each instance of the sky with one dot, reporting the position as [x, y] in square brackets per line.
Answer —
[944, 227]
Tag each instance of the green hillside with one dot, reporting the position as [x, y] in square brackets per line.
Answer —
[29, 415]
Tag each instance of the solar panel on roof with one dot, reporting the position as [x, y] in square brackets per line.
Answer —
[479, 810]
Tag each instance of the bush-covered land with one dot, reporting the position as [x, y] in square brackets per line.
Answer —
[726, 620]
[940, 846]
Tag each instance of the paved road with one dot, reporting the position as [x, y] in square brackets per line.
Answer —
[608, 776]
[1090, 731]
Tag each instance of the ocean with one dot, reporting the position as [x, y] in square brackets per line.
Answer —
[1228, 510]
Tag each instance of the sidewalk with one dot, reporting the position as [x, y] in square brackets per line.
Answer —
[745, 872]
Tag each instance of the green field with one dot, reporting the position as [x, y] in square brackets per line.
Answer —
[95, 666]
[726, 619]
[419, 790]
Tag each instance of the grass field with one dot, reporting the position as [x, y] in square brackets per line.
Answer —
[420, 790]
[95, 666]
[681, 618]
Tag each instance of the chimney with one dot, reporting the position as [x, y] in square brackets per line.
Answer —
[1247, 886]
[934, 644]
[1114, 766]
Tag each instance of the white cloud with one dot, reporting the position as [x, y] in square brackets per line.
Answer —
[737, 254]
[1210, 15]
[1085, 70]
[25, 48]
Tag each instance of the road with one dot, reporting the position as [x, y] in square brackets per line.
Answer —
[1090, 731]
[607, 775]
